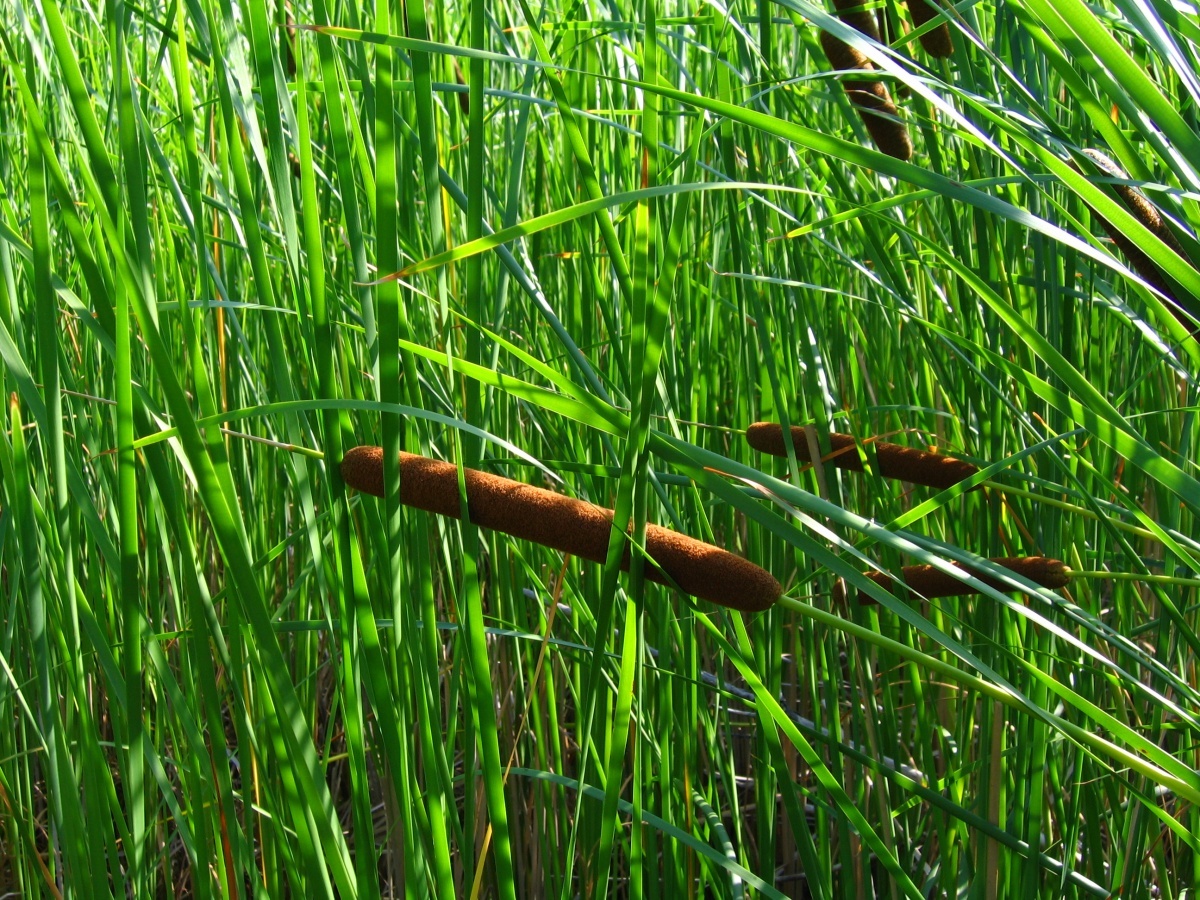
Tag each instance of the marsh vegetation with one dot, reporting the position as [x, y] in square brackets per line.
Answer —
[584, 246]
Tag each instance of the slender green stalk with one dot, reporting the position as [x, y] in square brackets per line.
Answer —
[136, 787]
[483, 698]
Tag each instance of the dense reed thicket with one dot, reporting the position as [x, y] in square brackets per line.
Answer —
[582, 246]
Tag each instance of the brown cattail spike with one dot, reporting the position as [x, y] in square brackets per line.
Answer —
[871, 96]
[930, 582]
[289, 48]
[862, 20]
[937, 40]
[905, 463]
[571, 526]
[464, 98]
[1146, 213]
[1139, 204]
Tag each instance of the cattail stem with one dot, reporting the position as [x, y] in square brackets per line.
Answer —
[1134, 576]
[870, 95]
[936, 41]
[1144, 533]
[931, 582]
[950, 670]
[918, 466]
[565, 524]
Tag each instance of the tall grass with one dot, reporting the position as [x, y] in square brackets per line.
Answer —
[232, 248]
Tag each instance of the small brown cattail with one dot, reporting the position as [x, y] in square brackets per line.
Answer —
[905, 463]
[1139, 204]
[464, 98]
[289, 48]
[852, 13]
[1146, 213]
[296, 166]
[871, 96]
[937, 41]
[565, 524]
[930, 582]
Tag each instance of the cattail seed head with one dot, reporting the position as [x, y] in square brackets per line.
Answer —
[289, 48]
[841, 55]
[861, 20]
[464, 99]
[871, 96]
[936, 41]
[565, 524]
[905, 463]
[930, 582]
[1146, 213]
[1137, 202]
[878, 113]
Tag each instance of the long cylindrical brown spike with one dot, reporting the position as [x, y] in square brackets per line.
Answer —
[930, 582]
[571, 526]
[1146, 213]
[852, 13]
[464, 100]
[895, 461]
[871, 96]
[1139, 204]
[937, 40]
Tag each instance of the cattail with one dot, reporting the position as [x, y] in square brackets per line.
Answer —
[289, 48]
[871, 96]
[861, 20]
[905, 463]
[564, 524]
[1146, 213]
[464, 98]
[1139, 204]
[936, 41]
[930, 582]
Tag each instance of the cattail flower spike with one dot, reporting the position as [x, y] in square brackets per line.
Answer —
[930, 582]
[870, 95]
[571, 526]
[905, 463]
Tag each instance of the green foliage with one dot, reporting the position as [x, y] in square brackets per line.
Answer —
[591, 243]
